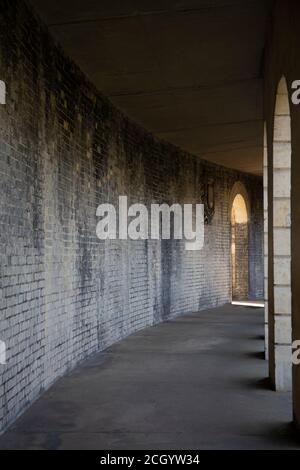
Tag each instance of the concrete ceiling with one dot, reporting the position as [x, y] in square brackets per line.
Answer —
[187, 70]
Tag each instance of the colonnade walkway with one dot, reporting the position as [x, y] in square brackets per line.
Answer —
[197, 382]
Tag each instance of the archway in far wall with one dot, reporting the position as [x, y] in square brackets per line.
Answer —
[239, 217]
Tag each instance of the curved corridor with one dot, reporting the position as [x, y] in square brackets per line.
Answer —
[197, 382]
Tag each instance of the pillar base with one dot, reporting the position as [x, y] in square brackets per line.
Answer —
[281, 369]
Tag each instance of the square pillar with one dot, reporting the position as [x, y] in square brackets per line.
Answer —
[279, 259]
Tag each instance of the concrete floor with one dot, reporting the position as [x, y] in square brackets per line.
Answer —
[198, 382]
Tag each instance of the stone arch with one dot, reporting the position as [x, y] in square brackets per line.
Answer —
[239, 188]
[239, 222]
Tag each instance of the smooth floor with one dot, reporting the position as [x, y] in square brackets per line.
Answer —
[197, 382]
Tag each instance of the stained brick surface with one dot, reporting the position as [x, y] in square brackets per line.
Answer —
[63, 151]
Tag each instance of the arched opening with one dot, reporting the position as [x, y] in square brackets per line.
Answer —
[239, 249]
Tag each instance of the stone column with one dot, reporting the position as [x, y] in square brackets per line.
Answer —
[280, 339]
[266, 244]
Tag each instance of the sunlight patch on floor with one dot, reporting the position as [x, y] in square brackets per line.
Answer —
[249, 303]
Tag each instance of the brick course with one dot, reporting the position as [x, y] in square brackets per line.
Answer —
[64, 149]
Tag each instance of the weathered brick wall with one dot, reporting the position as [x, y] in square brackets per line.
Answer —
[240, 281]
[64, 150]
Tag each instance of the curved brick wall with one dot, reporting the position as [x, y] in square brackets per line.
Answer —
[64, 150]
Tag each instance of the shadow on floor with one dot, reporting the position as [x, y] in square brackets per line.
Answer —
[190, 383]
